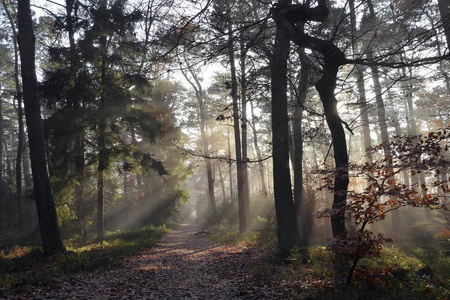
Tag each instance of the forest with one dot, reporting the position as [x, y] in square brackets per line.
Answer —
[225, 149]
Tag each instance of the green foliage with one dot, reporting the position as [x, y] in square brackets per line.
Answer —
[228, 233]
[26, 265]
[391, 275]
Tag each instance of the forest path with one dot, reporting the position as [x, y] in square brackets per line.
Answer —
[184, 265]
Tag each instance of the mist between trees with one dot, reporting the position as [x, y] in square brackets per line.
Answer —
[326, 122]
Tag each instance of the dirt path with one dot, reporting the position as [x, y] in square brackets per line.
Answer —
[185, 265]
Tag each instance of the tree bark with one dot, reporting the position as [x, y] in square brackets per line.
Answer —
[102, 155]
[287, 229]
[299, 200]
[333, 57]
[48, 223]
[237, 135]
[245, 183]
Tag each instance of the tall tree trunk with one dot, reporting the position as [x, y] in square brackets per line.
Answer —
[19, 211]
[333, 58]
[287, 229]
[237, 135]
[364, 109]
[245, 183]
[325, 87]
[299, 200]
[102, 156]
[196, 85]
[48, 223]
[78, 140]
[381, 113]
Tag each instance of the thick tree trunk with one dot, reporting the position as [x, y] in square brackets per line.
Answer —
[287, 229]
[48, 223]
[333, 58]
[325, 87]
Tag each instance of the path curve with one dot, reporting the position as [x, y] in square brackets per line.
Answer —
[184, 265]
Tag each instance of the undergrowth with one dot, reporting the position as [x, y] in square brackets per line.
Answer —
[20, 266]
[393, 275]
[227, 233]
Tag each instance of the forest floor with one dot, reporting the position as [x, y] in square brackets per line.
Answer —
[184, 265]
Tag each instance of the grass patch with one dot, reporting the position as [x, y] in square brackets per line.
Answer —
[225, 233]
[20, 266]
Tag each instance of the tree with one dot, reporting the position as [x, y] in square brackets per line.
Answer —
[287, 229]
[48, 224]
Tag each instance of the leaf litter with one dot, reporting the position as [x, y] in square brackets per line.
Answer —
[184, 265]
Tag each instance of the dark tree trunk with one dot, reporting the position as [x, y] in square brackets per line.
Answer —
[333, 58]
[299, 200]
[48, 222]
[102, 155]
[243, 226]
[287, 229]
[245, 183]
[325, 87]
